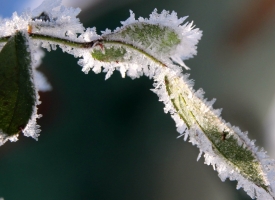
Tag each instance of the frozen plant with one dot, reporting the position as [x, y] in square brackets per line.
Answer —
[154, 47]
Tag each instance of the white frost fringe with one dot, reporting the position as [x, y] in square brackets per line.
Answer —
[64, 24]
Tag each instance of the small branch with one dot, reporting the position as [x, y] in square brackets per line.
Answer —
[64, 41]
[57, 40]
[86, 45]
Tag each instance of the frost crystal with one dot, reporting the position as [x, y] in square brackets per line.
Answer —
[155, 47]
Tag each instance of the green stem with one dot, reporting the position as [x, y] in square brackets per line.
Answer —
[57, 40]
[85, 45]
[63, 41]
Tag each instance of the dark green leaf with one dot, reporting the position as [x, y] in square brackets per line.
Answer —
[17, 93]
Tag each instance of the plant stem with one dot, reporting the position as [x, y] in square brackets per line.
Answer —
[64, 41]
[85, 45]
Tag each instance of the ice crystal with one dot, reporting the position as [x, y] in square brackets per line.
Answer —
[155, 47]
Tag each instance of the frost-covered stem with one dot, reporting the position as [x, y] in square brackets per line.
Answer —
[62, 41]
[91, 44]
[86, 45]
[57, 40]
[152, 47]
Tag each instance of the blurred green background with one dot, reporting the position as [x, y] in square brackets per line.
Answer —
[104, 140]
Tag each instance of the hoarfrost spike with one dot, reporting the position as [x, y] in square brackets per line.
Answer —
[155, 47]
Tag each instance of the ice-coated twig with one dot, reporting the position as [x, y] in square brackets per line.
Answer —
[155, 47]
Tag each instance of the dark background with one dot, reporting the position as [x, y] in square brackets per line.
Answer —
[104, 140]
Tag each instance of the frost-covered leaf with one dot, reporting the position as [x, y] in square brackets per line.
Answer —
[109, 55]
[225, 147]
[161, 36]
[149, 47]
[150, 37]
[223, 140]
[17, 93]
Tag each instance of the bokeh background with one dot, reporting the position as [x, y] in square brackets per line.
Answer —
[104, 140]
